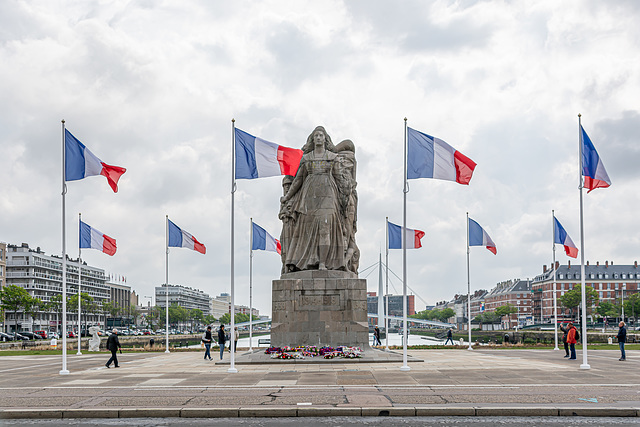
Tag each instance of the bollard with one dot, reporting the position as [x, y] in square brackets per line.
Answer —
[54, 343]
[151, 342]
[610, 340]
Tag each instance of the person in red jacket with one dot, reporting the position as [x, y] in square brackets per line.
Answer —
[571, 340]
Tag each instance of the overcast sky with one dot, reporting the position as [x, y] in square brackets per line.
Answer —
[153, 85]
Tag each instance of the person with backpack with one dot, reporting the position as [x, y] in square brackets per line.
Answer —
[207, 339]
[622, 338]
[572, 339]
[221, 340]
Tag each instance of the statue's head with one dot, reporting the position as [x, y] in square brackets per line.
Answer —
[318, 132]
[286, 183]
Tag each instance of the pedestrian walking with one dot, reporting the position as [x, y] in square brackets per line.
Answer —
[565, 330]
[221, 340]
[622, 338]
[236, 337]
[376, 336]
[449, 337]
[571, 340]
[207, 339]
[113, 345]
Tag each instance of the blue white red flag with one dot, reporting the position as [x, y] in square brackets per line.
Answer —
[479, 237]
[429, 157]
[91, 238]
[181, 239]
[263, 240]
[412, 237]
[257, 158]
[595, 175]
[80, 163]
[561, 237]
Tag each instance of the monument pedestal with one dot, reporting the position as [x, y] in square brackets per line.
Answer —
[319, 307]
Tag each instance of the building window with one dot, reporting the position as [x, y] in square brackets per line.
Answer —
[561, 276]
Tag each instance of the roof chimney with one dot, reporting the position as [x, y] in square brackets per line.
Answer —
[635, 264]
[557, 265]
[569, 264]
[606, 264]
[597, 263]
[587, 262]
[544, 268]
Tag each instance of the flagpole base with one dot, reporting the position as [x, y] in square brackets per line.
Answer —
[585, 366]
[64, 372]
[79, 353]
[556, 348]
[470, 348]
[232, 370]
[167, 351]
[405, 368]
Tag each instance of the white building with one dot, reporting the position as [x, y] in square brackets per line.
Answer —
[183, 296]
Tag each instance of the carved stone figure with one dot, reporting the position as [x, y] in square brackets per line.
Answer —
[94, 342]
[319, 209]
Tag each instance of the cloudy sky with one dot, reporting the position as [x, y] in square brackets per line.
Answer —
[153, 85]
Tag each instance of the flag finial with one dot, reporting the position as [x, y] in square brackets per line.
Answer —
[579, 115]
[233, 120]
[62, 120]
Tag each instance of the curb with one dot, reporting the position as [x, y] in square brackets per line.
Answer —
[319, 411]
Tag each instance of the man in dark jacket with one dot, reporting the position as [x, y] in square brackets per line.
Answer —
[113, 345]
[622, 338]
[449, 337]
[221, 340]
[565, 330]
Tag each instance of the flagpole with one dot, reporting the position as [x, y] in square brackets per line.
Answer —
[250, 284]
[232, 368]
[64, 370]
[380, 297]
[386, 293]
[468, 286]
[404, 367]
[585, 364]
[79, 283]
[555, 285]
[166, 283]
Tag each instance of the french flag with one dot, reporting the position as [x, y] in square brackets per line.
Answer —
[179, 238]
[90, 238]
[595, 175]
[263, 240]
[479, 237]
[561, 237]
[257, 158]
[80, 163]
[429, 157]
[412, 237]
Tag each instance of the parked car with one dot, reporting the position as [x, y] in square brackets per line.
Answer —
[43, 334]
[71, 334]
[54, 335]
[5, 337]
[31, 335]
[18, 337]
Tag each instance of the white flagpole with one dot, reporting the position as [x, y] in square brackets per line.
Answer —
[250, 285]
[232, 368]
[386, 293]
[404, 367]
[79, 283]
[468, 286]
[585, 364]
[380, 296]
[166, 283]
[64, 370]
[555, 285]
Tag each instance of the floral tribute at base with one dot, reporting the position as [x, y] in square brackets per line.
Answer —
[302, 352]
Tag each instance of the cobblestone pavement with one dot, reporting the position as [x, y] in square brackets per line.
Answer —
[445, 378]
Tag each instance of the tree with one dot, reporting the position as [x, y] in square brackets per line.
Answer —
[209, 319]
[632, 305]
[608, 309]
[32, 307]
[134, 313]
[506, 310]
[573, 298]
[14, 299]
[86, 306]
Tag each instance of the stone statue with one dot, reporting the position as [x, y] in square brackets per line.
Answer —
[319, 209]
[94, 342]
[288, 221]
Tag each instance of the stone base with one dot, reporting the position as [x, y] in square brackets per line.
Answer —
[319, 307]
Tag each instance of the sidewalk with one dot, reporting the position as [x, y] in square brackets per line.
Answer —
[446, 382]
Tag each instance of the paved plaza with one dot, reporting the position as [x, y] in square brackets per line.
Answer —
[445, 382]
